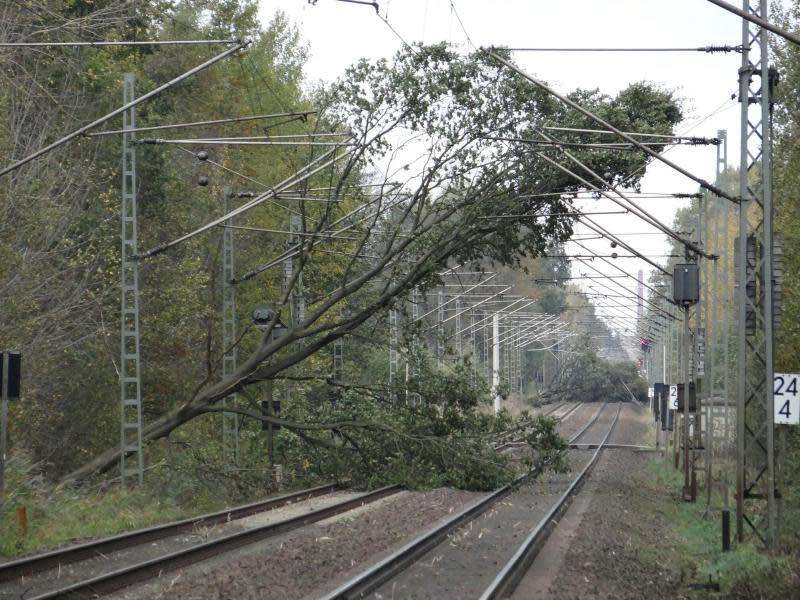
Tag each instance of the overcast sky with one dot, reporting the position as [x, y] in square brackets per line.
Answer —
[340, 33]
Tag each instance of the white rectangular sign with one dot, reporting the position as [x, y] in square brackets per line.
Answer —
[673, 397]
[786, 398]
[650, 393]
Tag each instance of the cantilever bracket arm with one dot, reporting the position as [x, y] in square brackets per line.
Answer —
[118, 111]
[787, 35]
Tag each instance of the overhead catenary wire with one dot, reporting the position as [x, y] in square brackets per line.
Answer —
[614, 255]
[224, 142]
[594, 195]
[651, 304]
[382, 18]
[299, 115]
[364, 2]
[293, 251]
[461, 24]
[618, 146]
[636, 209]
[621, 270]
[597, 228]
[245, 178]
[101, 44]
[554, 279]
[283, 232]
[297, 177]
[621, 234]
[671, 136]
[721, 108]
[564, 214]
[699, 180]
[283, 136]
[707, 49]
[86, 128]
[617, 303]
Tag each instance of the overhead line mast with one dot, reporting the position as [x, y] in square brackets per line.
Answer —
[756, 456]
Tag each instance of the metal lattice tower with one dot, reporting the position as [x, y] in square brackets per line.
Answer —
[440, 328]
[640, 292]
[411, 365]
[756, 459]
[486, 366]
[718, 314]
[458, 327]
[496, 362]
[131, 457]
[521, 361]
[394, 342]
[473, 339]
[338, 360]
[298, 307]
[230, 420]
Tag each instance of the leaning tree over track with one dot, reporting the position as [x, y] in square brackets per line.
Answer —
[438, 135]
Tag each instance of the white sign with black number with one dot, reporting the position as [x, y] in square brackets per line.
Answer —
[673, 397]
[786, 398]
[650, 393]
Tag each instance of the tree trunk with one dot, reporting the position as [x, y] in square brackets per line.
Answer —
[158, 429]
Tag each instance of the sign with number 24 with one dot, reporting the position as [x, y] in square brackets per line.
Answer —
[786, 398]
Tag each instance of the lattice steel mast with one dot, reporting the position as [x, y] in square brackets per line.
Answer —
[755, 481]
[131, 458]
[230, 420]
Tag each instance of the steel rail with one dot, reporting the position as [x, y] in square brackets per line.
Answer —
[591, 422]
[512, 573]
[126, 576]
[569, 413]
[63, 556]
[376, 575]
[372, 578]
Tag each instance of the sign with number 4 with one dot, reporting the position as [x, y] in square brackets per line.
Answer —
[786, 398]
[673, 397]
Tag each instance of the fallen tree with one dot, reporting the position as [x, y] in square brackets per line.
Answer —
[450, 125]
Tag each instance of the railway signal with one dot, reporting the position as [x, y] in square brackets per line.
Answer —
[10, 377]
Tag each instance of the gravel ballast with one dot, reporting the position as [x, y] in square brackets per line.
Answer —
[606, 546]
[309, 560]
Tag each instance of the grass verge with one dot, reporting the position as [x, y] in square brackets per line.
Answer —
[695, 551]
[59, 515]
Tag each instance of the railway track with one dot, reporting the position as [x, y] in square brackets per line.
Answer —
[97, 581]
[380, 576]
[503, 585]
[42, 566]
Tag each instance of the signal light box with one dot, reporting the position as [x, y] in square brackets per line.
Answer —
[686, 284]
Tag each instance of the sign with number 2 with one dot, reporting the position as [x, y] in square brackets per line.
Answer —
[786, 399]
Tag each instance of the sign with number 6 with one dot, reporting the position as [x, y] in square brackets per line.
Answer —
[786, 398]
[673, 397]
